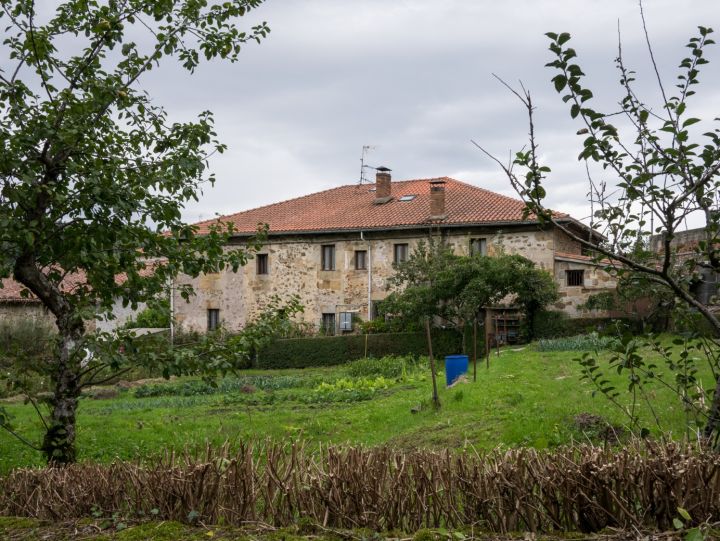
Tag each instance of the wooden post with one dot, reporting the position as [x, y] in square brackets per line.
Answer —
[366, 344]
[436, 398]
[475, 348]
[488, 323]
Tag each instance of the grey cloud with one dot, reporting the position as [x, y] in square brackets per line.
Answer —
[414, 79]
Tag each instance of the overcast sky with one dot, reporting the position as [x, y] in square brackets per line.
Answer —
[414, 79]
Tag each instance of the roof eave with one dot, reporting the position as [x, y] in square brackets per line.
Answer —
[423, 225]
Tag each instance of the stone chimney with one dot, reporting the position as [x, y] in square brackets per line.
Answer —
[382, 185]
[437, 199]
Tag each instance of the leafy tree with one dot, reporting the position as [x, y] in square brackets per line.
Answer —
[222, 352]
[664, 166]
[534, 290]
[155, 315]
[94, 176]
[436, 283]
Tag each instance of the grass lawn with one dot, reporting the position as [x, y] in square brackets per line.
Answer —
[24, 529]
[525, 398]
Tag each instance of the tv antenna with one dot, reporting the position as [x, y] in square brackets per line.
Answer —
[363, 166]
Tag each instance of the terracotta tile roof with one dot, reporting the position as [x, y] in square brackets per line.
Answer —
[351, 208]
[12, 290]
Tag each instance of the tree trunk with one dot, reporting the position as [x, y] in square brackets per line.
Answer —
[436, 397]
[59, 442]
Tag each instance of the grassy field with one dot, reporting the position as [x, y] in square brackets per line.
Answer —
[23, 529]
[525, 398]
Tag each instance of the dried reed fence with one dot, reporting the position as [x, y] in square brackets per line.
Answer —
[580, 488]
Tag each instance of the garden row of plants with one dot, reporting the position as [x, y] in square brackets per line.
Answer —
[359, 380]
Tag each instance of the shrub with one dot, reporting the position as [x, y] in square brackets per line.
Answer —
[331, 350]
[579, 488]
[156, 315]
[347, 390]
[25, 340]
[550, 324]
[390, 366]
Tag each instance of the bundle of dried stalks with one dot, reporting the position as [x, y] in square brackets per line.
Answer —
[577, 488]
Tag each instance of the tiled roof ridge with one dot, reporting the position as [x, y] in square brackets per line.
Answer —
[270, 205]
[226, 217]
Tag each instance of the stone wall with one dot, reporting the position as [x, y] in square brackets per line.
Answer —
[26, 312]
[122, 314]
[294, 267]
[34, 311]
[595, 280]
[564, 243]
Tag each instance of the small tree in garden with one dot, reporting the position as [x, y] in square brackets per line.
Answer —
[436, 283]
[94, 176]
[664, 165]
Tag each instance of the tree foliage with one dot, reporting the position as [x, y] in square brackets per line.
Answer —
[664, 168]
[434, 282]
[94, 176]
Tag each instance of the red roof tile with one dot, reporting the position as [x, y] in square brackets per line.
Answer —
[11, 290]
[351, 208]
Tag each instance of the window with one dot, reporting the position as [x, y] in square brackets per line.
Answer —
[213, 318]
[346, 321]
[328, 257]
[478, 246]
[328, 323]
[360, 259]
[401, 253]
[407, 198]
[574, 277]
[262, 263]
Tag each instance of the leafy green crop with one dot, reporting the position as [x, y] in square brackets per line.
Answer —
[583, 342]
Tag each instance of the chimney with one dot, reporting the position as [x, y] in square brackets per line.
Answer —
[382, 185]
[437, 199]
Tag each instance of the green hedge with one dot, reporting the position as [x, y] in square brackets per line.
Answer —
[330, 350]
[552, 324]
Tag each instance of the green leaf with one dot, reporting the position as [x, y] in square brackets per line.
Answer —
[560, 81]
[574, 110]
[684, 514]
[563, 38]
[690, 122]
[679, 525]
[695, 534]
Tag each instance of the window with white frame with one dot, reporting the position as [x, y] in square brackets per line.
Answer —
[346, 321]
[328, 257]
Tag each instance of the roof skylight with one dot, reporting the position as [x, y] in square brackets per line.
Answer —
[407, 197]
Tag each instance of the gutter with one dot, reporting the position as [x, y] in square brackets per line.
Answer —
[369, 276]
[418, 226]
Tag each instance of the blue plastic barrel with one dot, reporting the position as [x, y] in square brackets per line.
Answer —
[455, 366]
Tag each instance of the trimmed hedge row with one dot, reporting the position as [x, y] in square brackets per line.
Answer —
[552, 324]
[331, 350]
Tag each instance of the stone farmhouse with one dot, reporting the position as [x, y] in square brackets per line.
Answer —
[18, 305]
[336, 249]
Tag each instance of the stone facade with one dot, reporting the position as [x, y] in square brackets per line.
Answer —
[573, 297]
[33, 311]
[295, 267]
[26, 312]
